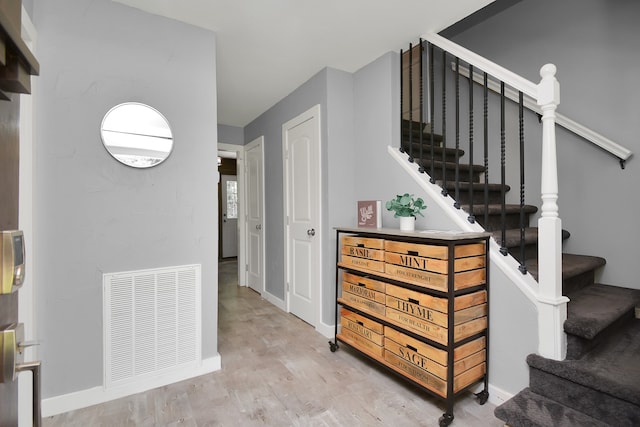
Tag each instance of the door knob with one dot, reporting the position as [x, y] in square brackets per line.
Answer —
[259, 227]
[311, 232]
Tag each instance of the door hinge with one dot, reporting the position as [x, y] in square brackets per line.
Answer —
[288, 287]
[246, 267]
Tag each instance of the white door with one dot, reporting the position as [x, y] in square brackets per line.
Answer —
[301, 146]
[254, 209]
[229, 191]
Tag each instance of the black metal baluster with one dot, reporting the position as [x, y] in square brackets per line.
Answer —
[456, 204]
[410, 103]
[431, 111]
[522, 267]
[472, 217]
[401, 101]
[421, 156]
[444, 123]
[503, 248]
[486, 149]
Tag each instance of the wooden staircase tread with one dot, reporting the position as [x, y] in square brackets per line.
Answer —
[449, 165]
[572, 264]
[426, 149]
[496, 209]
[476, 186]
[594, 308]
[531, 409]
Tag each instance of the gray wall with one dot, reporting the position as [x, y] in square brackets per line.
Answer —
[230, 135]
[596, 46]
[333, 90]
[269, 124]
[95, 215]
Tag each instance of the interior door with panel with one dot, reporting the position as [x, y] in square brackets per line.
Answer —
[255, 220]
[301, 145]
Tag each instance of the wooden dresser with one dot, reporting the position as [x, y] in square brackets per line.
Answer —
[417, 303]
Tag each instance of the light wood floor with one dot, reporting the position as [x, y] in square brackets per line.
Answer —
[278, 371]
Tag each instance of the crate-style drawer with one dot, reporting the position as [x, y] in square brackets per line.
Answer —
[433, 331]
[362, 333]
[365, 287]
[363, 242]
[428, 365]
[363, 253]
[369, 329]
[434, 309]
[428, 265]
[435, 265]
[363, 293]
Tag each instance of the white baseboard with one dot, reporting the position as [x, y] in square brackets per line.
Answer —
[326, 330]
[274, 300]
[497, 396]
[93, 396]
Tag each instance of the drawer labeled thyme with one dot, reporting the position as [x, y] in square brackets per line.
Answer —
[434, 309]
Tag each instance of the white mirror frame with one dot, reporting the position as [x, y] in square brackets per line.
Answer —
[136, 135]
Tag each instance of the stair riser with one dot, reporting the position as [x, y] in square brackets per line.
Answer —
[477, 196]
[415, 135]
[495, 221]
[578, 282]
[426, 153]
[530, 251]
[579, 346]
[600, 406]
[450, 173]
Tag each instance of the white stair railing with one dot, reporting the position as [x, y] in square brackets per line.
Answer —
[552, 306]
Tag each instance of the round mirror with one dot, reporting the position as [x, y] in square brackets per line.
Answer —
[136, 135]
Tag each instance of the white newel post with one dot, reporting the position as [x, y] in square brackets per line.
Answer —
[552, 305]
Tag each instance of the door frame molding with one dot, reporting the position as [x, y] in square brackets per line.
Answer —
[317, 293]
[239, 150]
[258, 142]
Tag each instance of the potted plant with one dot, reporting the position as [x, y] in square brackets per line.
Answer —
[406, 207]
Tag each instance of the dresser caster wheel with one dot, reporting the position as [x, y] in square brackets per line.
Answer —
[333, 346]
[445, 420]
[483, 396]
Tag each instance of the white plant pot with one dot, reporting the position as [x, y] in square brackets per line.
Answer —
[407, 223]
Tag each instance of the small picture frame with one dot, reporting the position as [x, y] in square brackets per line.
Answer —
[369, 215]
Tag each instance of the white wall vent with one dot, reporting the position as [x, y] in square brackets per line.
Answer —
[152, 323]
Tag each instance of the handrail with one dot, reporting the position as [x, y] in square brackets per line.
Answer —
[551, 304]
[622, 153]
[509, 77]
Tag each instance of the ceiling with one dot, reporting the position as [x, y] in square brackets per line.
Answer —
[267, 48]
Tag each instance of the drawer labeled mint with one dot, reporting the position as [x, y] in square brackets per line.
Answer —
[434, 265]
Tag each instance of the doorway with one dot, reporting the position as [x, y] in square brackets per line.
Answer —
[302, 203]
[228, 207]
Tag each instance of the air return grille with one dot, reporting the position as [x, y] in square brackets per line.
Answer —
[151, 322]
